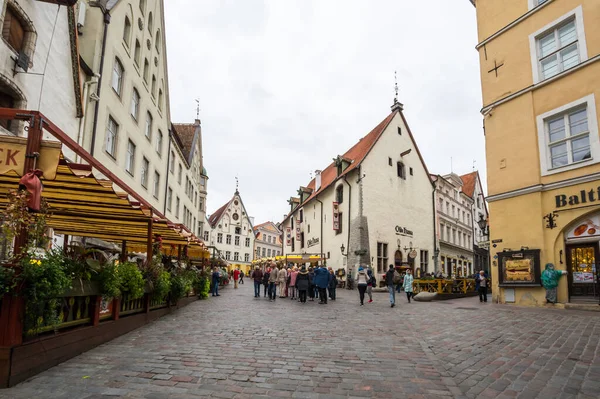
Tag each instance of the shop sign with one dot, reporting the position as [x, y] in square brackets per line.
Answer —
[288, 236]
[519, 268]
[298, 230]
[589, 227]
[12, 156]
[403, 231]
[336, 216]
[412, 254]
[312, 242]
[583, 277]
[584, 197]
[497, 241]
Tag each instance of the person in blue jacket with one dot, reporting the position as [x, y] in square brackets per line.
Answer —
[321, 280]
[216, 275]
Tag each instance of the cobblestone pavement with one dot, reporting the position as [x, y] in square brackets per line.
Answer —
[236, 346]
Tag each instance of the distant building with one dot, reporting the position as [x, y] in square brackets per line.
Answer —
[481, 245]
[268, 240]
[232, 233]
[372, 206]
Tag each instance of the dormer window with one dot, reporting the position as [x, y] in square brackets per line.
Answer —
[339, 194]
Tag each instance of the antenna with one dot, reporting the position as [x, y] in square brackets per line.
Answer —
[395, 87]
[197, 108]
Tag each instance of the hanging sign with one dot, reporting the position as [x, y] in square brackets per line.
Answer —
[336, 216]
[298, 230]
[288, 236]
[12, 156]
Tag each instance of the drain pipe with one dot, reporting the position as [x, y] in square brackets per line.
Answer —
[435, 244]
[100, 72]
[317, 198]
[349, 210]
[82, 120]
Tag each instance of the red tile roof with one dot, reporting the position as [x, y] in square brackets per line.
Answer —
[214, 218]
[186, 132]
[469, 181]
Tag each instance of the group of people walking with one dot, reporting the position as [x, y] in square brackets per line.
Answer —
[296, 283]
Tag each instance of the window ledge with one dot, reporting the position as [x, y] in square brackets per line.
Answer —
[110, 155]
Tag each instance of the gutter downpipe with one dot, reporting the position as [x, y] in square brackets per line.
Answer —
[86, 87]
[317, 198]
[100, 72]
[167, 172]
[435, 244]
[349, 211]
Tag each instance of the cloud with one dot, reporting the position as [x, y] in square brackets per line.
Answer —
[286, 85]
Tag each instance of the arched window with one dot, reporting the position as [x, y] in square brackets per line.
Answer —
[150, 22]
[157, 41]
[146, 70]
[135, 104]
[160, 99]
[137, 53]
[148, 126]
[153, 88]
[11, 97]
[127, 31]
[18, 31]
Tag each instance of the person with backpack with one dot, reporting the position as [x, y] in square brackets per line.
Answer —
[362, 279]
[408, 284]
[303, 283]
[389, 281]
[265, 279]
[372, 283]
[322, 282]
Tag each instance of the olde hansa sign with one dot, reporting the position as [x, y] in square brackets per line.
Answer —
[12, 156]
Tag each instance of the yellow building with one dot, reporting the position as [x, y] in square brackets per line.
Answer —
[540, 77]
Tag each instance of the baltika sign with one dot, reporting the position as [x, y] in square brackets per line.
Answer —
[336, 216]
[12, 156]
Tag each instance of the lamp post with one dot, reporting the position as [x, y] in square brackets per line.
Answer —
[343, 248]
[485, 231]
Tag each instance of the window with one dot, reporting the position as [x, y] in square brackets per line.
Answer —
[246, 257]
[142, 6]
[127, 31]
[6, 101]
[202, 181]
[410, 171]
[401, 171]
[13, 29]
[399, 130]
[258, 251]
[301, 215]
[448, 233]
[146, 70]
[169, 198]
[341, 220]
[179, 174]
[156, 184]
[447, 208]
[177, 202]
[227, 255]
[441, 204]
[238, 230]
[172, 162]
[220, 238]
[558, 46]
[390, 161]
[339, 194]
[382, 257]
[160, 96]
[159, 141]
[150, 22]
[137, 53]
[135, 104]
[112, 130]
[248, 242]
[454, 236]
[157, 41]
[568, 137]
[228, 239]
[424, 258]
[236, 256]
[129, 162]
[442, 231]
[268, 252]
[153, 87]
[237, 240]
[148, 131]
[145, 167]
[117, 77]
[264, 252]
[201, 204]
[206, 236]
[268, 239]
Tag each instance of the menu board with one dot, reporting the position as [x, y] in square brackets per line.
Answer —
[583, 277]
[519, 268]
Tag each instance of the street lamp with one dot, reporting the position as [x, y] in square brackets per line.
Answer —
[483, 225]
[343, 249]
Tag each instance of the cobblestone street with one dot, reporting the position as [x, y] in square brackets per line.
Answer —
[236, 346]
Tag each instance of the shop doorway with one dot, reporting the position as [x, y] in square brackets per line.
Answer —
[582, 260]
[398, 258]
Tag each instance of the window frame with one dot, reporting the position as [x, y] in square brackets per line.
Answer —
[159, 143]
[113, 154]
[382, 258]
[130, 158]
[127, 34]
[149, 125]
[401, 170]
[169, 198]
[137, 108]
[543, 139]
[145, 169]
[116, 64]
[156, 185]
[577, 15]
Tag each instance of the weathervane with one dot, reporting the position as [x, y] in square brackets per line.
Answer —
[395, 87]
[197, 108]
[237, 184]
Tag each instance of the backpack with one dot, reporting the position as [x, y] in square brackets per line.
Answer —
[397, 277]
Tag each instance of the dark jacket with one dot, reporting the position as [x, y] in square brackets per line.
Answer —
[332, 281]
[389, 277]
[265, 278]
[311, 278]
[215, 276]
[303, 281]
[257, 275]
[321, 277]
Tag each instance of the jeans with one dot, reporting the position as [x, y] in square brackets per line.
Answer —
[483, 294]
[266, 288]
[362, 288]
[272, 291]
[215, 287]
[302, 295]
[323, 294]
[392, 294]
[316, 292]
[257, 289]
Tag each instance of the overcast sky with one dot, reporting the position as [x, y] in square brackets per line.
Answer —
[285, 86]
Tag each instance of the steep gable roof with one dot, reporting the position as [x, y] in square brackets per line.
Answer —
[469, 181]
[216, 216]
[187, 134]
[267, 226]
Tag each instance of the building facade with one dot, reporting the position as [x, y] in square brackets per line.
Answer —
[540, 76]
[454, 212]
[268, 240]
[481, 245]
[232, 233]
[372, 206]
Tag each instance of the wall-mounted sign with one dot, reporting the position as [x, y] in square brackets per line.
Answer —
[412, 254]
[403, 231]
[288, 236]
[298, 230]
[519, 268]
[336, 216]
[497, 241]
[12, 156]
[583, 197]
[312, 242]
[589, 227]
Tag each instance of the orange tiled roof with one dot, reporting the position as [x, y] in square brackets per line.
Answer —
[214, 218]
[186, 133]
[469, 180]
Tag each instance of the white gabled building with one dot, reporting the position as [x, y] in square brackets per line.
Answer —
[232, 233]
[372, 206]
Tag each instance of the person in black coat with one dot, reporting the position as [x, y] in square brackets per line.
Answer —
[312, 289]
[303, 283]
[332, 284]
[265, 279]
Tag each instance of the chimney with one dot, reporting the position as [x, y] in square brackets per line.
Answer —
[197, 122]
[317, 180]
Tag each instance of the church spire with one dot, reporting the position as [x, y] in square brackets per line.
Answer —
[397, 106]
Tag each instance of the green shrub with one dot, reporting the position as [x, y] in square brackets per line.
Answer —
[131, 279]
[7, 280]
[162, 285]
[181, 284]
[109, 281]
[202, 287]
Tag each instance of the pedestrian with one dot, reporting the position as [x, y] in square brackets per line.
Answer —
[241, 277]
[265, 279]
[398, 280]
[293, 275]
[257, 276]
[389, 281]
[362, 279]
[372, 283]
[332, 284]
[216, 276]
[303, 283]
[311, 287]
[273, 279]
[236, 276]
[408, 284]
[282, 282]
[322, 281]
[481, 285]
